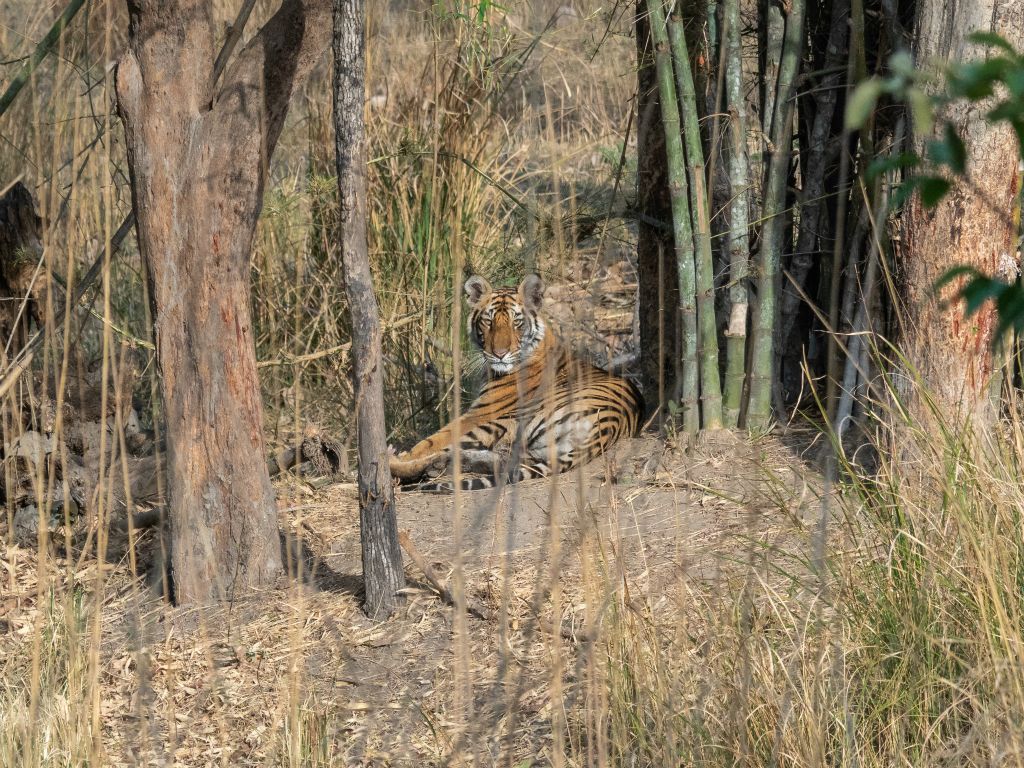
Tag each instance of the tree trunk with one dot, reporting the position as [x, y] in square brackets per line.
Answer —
[198, 156]
[700, 204]
[773, 232]
[21, 248]
[656, 266]
[821, 150]
[739, 216]
[971, 226]
[682, 226]
[382, 556]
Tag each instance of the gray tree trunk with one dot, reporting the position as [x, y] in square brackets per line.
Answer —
[198, 154]
[382, 556]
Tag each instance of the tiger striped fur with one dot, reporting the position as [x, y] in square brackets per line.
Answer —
[542, 410]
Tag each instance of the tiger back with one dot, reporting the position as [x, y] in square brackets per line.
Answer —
[542, 411]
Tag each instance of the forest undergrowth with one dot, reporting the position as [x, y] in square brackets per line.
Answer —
[791, 597]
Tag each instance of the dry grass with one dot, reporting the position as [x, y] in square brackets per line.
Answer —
[727, 607]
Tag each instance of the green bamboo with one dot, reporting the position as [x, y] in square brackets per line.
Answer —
[710, 383]
[47, 43]
[681, 226]
[780, 147]
[739, 214]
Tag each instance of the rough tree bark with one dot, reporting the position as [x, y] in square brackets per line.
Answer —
[382, 556]
[198, 152]
[971, 226]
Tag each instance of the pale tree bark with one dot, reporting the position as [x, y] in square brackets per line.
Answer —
[382, 558]
[198, 152]
[971, 226]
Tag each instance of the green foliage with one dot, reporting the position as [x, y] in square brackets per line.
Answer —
[997, 80]
[980, 288]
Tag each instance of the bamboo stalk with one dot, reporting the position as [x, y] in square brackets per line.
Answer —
[773, 30]
[682, 229]
[820, 154]
[710, 383]
[780, 141]
[855, 73]
[739, 215]
[856, 357]
[40, 53]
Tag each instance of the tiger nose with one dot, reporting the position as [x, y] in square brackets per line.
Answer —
[500, 351]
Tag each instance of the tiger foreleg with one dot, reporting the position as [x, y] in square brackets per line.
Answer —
[432, 456]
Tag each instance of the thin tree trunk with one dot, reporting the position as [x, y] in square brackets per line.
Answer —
[772, 232]
[21, 249]
[821, 149]
[710, 381]
[856, 360]
[971, 226]
[382, 555]
[739, 213]
[681, 224]
[856, 71]
[658, 294]
[198, 156]
[772, 34]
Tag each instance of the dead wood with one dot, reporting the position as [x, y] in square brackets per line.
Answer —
[438, 583]
[21, 249]
[319, 454]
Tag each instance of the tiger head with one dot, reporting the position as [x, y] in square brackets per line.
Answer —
[503, 322]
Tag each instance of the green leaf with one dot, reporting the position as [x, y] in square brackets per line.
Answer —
[977, 79]
[882, 165]
[933, 189]
[901, 64]
[978, 291]
[992, 40]
[920, 110]
[952, 274]
[949, 150]
[1010, 309]
[903, 192]
[1014, 79]
[862, 103]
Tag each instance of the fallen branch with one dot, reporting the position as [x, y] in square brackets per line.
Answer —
[436, 581]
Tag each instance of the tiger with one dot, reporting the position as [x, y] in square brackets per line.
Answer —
[542, 410]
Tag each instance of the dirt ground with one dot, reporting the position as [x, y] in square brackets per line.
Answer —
[300, 668]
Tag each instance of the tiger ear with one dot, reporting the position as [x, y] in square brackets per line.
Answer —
[532, 292]
[476, 289]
